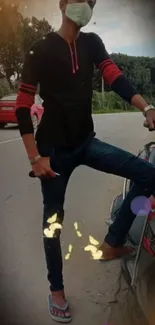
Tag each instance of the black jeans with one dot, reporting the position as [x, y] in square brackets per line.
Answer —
[103, 157]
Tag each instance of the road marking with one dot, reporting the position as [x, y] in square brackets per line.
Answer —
[7, 141]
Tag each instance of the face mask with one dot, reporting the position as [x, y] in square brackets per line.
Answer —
[80, 13]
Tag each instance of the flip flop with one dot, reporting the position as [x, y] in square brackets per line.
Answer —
[56, 311]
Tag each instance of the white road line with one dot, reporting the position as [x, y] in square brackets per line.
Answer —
[12, 140]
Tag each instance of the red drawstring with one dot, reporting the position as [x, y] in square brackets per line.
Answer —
[75, 66]
[76, 57]
[72, 57]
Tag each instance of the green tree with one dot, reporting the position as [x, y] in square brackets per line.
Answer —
[17, 34]
[4, 87]
[10, 41]
[136, 69]
[33, 30]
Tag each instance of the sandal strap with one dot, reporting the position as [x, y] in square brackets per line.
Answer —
[54, 305]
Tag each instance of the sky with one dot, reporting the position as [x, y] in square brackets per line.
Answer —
[125, 26]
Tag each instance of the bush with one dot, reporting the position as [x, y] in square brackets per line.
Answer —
[4, 88]
[97, 102]
[109, 102]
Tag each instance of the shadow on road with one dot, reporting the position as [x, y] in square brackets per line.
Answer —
[124, 307]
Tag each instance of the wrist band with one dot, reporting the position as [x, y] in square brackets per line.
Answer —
[35, 159]
[147, 108]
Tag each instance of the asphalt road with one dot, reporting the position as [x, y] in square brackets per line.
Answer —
[90, 286]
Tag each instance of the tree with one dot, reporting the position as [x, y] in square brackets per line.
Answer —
[17, 34]
[33, 30]
[136, 69]
[10, 40]
[4, 87]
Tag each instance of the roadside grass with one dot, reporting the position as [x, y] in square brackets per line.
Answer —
[110, 102]
[108, 111]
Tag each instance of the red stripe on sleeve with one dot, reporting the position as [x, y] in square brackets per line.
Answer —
[104, 63]
[29, 87]
[26, 90]
[110, 71]
[24, 100]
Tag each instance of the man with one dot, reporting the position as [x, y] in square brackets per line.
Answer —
[62, 64]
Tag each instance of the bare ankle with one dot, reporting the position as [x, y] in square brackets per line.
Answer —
[58, 294]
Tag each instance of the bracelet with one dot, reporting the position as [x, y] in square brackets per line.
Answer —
[147, 108]
[35, 159]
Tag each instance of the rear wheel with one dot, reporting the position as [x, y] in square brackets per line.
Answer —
[2, 125]
[35, 121]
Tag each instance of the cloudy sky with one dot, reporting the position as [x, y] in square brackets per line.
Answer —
[126, 26]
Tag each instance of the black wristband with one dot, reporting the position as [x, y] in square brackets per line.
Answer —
[124, 88]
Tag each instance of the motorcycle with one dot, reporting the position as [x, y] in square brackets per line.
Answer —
[139, 271]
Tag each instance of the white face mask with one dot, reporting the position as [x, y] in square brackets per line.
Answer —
[80, 13]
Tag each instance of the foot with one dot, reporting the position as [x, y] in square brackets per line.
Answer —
[59, 308]
[111, 253]
[58, 297]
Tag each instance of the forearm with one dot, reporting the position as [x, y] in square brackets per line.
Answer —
[139, 102]
[27, 131]
[30, 146]
[25, 100]
[123, 87]
[127, 91]
[114, 77]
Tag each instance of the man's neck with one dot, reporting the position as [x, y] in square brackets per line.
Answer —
[69, 32]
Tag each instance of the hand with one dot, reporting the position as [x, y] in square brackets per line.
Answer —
[150, 119]
[42, 168]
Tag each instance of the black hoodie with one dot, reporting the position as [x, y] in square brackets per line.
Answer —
[64, 72]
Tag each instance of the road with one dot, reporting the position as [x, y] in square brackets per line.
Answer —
[90, 285]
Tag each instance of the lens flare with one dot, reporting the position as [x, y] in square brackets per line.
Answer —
[90, 248]
[52, 219]
[50, 232]
[70, 248]
[141, 205]
[76, 225]
[67, 257]
[96, 254]
[79, 234]
[93, 241]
